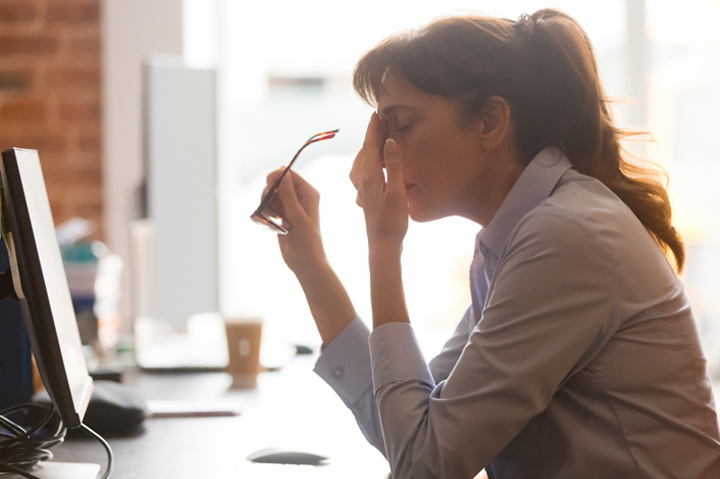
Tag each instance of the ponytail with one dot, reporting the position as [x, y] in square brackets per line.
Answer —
[587, 133]
[544, 66]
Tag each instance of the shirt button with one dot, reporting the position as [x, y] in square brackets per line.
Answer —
[338, 372]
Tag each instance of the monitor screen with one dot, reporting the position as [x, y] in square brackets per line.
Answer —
[41, 285]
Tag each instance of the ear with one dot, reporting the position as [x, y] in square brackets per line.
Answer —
[494, 123]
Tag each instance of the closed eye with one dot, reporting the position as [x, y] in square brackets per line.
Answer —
[404, 127]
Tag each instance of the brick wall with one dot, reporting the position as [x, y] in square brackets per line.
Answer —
[50, 97]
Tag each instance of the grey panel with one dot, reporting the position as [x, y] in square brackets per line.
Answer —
[180, 118]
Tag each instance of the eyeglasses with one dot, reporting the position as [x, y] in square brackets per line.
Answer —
[258, 216]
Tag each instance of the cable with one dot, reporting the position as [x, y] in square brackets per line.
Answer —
[22, 449]
[104, 444]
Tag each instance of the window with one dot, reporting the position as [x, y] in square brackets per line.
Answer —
[683, 104]
[286, 74]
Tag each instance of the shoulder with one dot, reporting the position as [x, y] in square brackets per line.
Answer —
[582, 219]
[552, 229]
[581, 212]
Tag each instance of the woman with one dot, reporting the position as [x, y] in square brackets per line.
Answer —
[579, 356]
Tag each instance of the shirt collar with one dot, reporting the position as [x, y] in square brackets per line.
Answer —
[534, 185]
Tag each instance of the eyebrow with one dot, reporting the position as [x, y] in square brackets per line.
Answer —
[389, 109]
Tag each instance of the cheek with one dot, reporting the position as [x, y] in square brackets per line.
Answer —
[434, 192]
[414, 152]
[424, 159]
[424, 196]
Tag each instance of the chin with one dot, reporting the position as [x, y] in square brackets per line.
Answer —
[423, 215]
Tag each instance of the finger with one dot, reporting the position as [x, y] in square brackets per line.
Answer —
[299, 182]
[372, 142]
[382, 136]
[356, 170]
[372, 145]
[274, 208]
[270, 181]
[371, 167]
[394, 166]
[307, 195]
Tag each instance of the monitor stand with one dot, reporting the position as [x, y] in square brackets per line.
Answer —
[62, 470]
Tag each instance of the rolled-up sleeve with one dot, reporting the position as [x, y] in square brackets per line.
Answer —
[548, 314]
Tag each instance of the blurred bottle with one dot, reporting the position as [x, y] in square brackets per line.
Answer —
[93, 275]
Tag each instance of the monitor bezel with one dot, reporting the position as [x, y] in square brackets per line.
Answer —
[35, 304]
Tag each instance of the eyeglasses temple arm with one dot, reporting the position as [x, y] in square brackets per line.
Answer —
[332, 134]
[273, 191]
[276, 186]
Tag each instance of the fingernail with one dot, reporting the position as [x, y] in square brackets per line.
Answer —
[390, 146]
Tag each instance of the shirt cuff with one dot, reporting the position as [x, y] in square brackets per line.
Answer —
[345, 363]
[395, 356]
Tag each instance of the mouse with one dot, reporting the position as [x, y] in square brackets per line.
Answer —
[274, 455]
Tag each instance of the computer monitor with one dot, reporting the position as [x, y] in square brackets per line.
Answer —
[41, 285]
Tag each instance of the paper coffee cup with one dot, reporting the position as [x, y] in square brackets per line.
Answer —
[244, 336]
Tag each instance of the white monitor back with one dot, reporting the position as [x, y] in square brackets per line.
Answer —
[181, 194]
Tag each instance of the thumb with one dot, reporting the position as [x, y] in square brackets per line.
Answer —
[393, 165]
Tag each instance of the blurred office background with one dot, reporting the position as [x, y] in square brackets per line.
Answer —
[71, 86]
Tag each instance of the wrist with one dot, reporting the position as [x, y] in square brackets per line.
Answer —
[305, 259]
[383, 253]
[386, 287]
[328, 300]
[312, 270]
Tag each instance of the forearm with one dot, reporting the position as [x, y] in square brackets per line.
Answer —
[329, 302]
[386, 287]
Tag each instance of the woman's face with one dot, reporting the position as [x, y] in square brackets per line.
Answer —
[442, 155]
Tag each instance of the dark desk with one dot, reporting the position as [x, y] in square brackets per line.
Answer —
[292, 409]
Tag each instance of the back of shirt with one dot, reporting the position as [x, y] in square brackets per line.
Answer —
[639, 401]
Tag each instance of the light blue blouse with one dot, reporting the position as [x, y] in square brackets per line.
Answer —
[579, 357]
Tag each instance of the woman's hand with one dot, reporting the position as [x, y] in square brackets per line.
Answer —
[386, 220]
[297, 203]
[384, 202]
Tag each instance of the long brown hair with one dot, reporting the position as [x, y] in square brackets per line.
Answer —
[544, 66]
